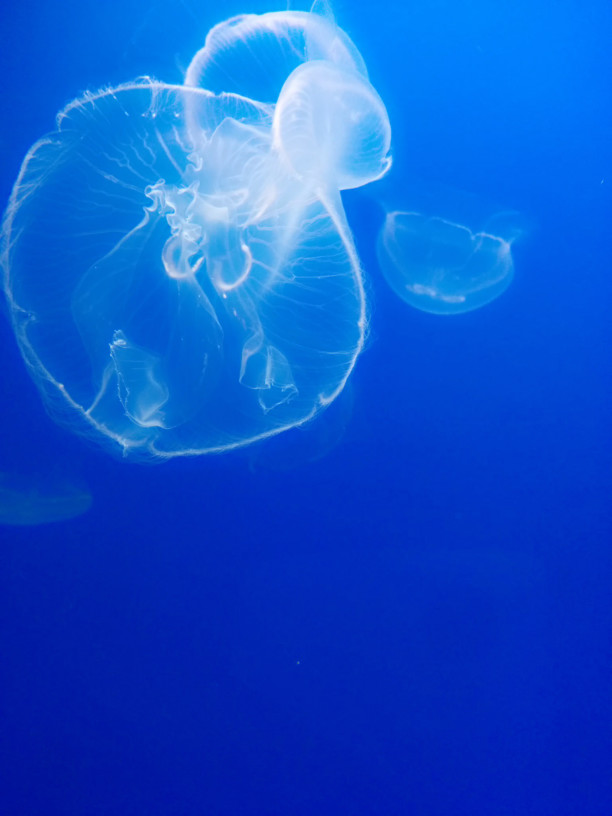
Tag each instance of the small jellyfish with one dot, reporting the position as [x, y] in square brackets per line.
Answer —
[443, 267]
[31, 500]
[331, 127]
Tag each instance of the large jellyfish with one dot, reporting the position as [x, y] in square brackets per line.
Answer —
[179, 269]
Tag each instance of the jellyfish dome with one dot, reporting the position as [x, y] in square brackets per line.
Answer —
[440, 266]
[340, 113]
[253, 54]
[175, 286]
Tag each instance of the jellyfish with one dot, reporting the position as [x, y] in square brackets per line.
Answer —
[253, 54]
[338, 111]
[33, 499]
[443, 267]
[178, 266]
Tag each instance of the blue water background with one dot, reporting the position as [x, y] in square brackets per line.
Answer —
[421, 621]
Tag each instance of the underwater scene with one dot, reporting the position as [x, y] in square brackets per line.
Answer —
[305, 458]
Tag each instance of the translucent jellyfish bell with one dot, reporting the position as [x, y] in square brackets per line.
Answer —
[331, 127]
[172, 288]
[252, 55]
[33, 499]
[178, 265]
[442, 267]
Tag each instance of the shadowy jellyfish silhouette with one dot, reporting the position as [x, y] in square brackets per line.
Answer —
[31, 500]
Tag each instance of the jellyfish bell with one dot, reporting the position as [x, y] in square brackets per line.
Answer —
[253, 54]
[179, 269]
[442, 267]
[331, 127]
[33, 499]
[166, 307]
[447, 259]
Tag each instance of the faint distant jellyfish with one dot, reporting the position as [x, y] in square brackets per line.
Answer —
[442, 267]
[27, 501]
[175, 284]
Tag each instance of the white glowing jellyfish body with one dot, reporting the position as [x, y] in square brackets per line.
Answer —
[442, 267]
[179, 269]
[253, 54]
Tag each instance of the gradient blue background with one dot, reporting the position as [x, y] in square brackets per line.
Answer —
[419, 623]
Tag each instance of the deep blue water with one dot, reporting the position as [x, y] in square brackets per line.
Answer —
[421, 621]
